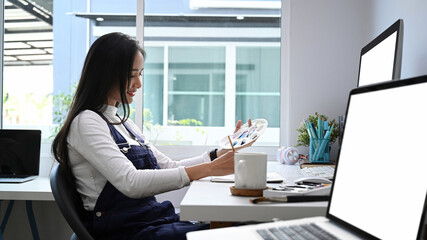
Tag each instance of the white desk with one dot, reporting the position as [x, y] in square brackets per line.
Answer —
[37, 190]
[208, 201]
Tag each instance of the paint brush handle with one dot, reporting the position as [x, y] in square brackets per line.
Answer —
[231, 143]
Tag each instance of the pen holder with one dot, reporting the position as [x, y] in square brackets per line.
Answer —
[319, 150]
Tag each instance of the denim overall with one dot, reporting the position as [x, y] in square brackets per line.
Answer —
[116, 216]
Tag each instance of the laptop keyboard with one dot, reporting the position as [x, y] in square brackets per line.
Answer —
[323, 171]
[297, 232]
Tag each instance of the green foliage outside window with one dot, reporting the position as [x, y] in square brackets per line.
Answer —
[25, 110]
[185, 122]
[61, 104]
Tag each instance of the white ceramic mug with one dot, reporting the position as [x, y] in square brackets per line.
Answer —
[250, 170]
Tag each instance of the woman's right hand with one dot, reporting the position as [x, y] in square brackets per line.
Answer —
[220, 151]
[223, 165]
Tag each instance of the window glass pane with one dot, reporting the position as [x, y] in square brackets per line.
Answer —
[259, 68]
[258, 83]
[27, 73]
[153, 85]
[248, 106]
[220, 64]
[194, 106]
[196, 85]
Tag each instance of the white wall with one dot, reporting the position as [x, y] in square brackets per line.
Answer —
[414, 15]
[321, 55]
[323, 40]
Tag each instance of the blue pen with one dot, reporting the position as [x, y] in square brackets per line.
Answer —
[314, 130]
[318, 138]
[311, 132]
[314, 134]
[308, 129]
[325, 126]
[330, 130]
[323, 145]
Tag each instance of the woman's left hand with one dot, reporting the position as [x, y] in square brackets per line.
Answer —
[239, 124]
[220, 152]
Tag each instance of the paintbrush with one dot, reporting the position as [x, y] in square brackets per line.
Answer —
[231, 143]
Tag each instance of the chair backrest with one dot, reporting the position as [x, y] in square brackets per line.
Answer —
[68, 201]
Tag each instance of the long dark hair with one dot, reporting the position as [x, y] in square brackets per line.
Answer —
[108, 64]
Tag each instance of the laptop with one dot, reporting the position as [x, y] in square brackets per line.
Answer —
[380, 181]
[19, 155]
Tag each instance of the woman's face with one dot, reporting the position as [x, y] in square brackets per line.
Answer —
[134, 82]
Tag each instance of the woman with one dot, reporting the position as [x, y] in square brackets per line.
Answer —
[116, 171]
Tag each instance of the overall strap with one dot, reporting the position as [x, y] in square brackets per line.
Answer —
[138, 138]
[121, 142]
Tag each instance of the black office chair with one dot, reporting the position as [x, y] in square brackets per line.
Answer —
[69, 202]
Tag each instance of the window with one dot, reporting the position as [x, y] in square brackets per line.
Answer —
[208, 66]
[27, 70]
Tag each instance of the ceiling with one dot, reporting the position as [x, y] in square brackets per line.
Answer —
[28, 32]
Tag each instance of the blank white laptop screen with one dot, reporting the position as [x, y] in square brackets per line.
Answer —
[384, 134]
[377, 64]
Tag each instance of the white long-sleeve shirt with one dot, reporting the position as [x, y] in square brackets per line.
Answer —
[95, 159]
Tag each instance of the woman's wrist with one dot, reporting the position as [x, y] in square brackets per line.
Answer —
[216, 153]
[221, 152]
[199, 171]
[213, 154]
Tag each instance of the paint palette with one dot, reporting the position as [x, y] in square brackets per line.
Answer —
[245, 134]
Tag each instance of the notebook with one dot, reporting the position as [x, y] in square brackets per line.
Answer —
[19, 155]
[272, 177]
[380, 182]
